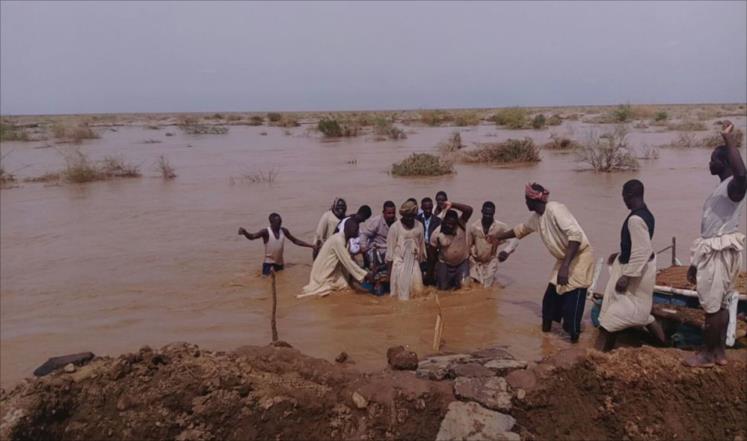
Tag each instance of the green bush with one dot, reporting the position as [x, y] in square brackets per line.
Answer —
[422, 164]
[274, 116]
[661, 116]
[623, 113]
[331, 128]
[9, 132]
[539, 121]
[509, 151]
[554, 120]
[512, 118]
[433, 118]
[256, 120]
[385, 129]
[466, 119]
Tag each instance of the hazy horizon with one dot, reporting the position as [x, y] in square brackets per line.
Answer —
[160, 57]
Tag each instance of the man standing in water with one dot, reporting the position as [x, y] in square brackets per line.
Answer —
[483, 259]
[430, 223]
[333, 264]
[629, 295]
[405, 251]
[574, 267]
[717, 254]
[274, 240]
[373, 235]
[328, 222]
[450, 239]
[361, 216]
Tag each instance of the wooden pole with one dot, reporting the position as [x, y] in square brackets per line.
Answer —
[439, 328]
[674, 251]
[273, 321]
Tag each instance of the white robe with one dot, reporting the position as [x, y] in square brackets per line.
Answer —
[405, 249]
[633, 307]
[331, 267]
[557, 227]
[326, 227]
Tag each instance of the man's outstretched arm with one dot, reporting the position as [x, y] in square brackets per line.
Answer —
[293, 239]
[259, 234]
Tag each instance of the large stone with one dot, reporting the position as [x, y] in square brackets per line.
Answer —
[522, 379]
[503, 366]
[493, 354]
[491, 392]
[404, 360]
[437, 367]
[359, 400]
[471, 370]
[472, 422]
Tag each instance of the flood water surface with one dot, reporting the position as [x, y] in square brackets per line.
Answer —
[111, 266]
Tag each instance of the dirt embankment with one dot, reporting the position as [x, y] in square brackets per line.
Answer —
[635, 394]
[276, 393]
[182, 392]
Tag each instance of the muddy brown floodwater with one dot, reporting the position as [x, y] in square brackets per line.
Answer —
[111, 266]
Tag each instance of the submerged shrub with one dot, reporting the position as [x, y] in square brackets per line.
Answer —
[433, 117]
[623, 113]
[164, 166]
[509, 151]
[332, 128]
[466, 119]
[690, 126]
[560, 143]
[422, 164]
[539, 121]
[512, 118]
[385, 129]
[274, 116]
[608, 152]
[79, 168]
[204, 129]
[554, 120]
[75, 134]
[256, 120]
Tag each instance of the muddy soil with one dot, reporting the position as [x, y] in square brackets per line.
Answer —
[185, 393]
[635, 394]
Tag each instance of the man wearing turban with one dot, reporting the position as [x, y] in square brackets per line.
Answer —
[574, 266]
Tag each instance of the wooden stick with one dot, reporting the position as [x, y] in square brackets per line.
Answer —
[273, 321]
[439, 329]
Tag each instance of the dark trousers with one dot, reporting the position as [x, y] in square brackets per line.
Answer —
[569, 307]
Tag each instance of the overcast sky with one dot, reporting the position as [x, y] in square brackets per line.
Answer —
[87, 57]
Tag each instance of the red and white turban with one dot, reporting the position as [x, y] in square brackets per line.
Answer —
[536, 195]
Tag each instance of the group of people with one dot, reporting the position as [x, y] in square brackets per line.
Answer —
[435, 244]
[430, 244]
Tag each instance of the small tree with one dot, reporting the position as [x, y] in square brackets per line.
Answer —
[539, 121]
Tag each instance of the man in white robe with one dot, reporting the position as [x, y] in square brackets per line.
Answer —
[405, 250]
[629, 294]
[573, 272]
[333, 264]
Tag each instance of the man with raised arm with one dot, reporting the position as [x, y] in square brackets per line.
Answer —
[274, 240]
[574, 267]
[450, 241]
[717, 255]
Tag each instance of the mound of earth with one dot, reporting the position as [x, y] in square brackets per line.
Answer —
[184, 393]
[634, 394]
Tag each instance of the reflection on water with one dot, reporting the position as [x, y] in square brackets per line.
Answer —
[111, 266]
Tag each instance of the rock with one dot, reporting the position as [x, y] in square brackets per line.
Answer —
[491, 392]
[471, 370]
[391, 352]
[404, 361]
[69, 368]
[359, 400]
[437, 368]
[521, 394]
[493, 354]
[342, 358]
[503, 366]
[83, 373]
[567, 358]
[470, 421]
[522, 379]
[56, 363]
